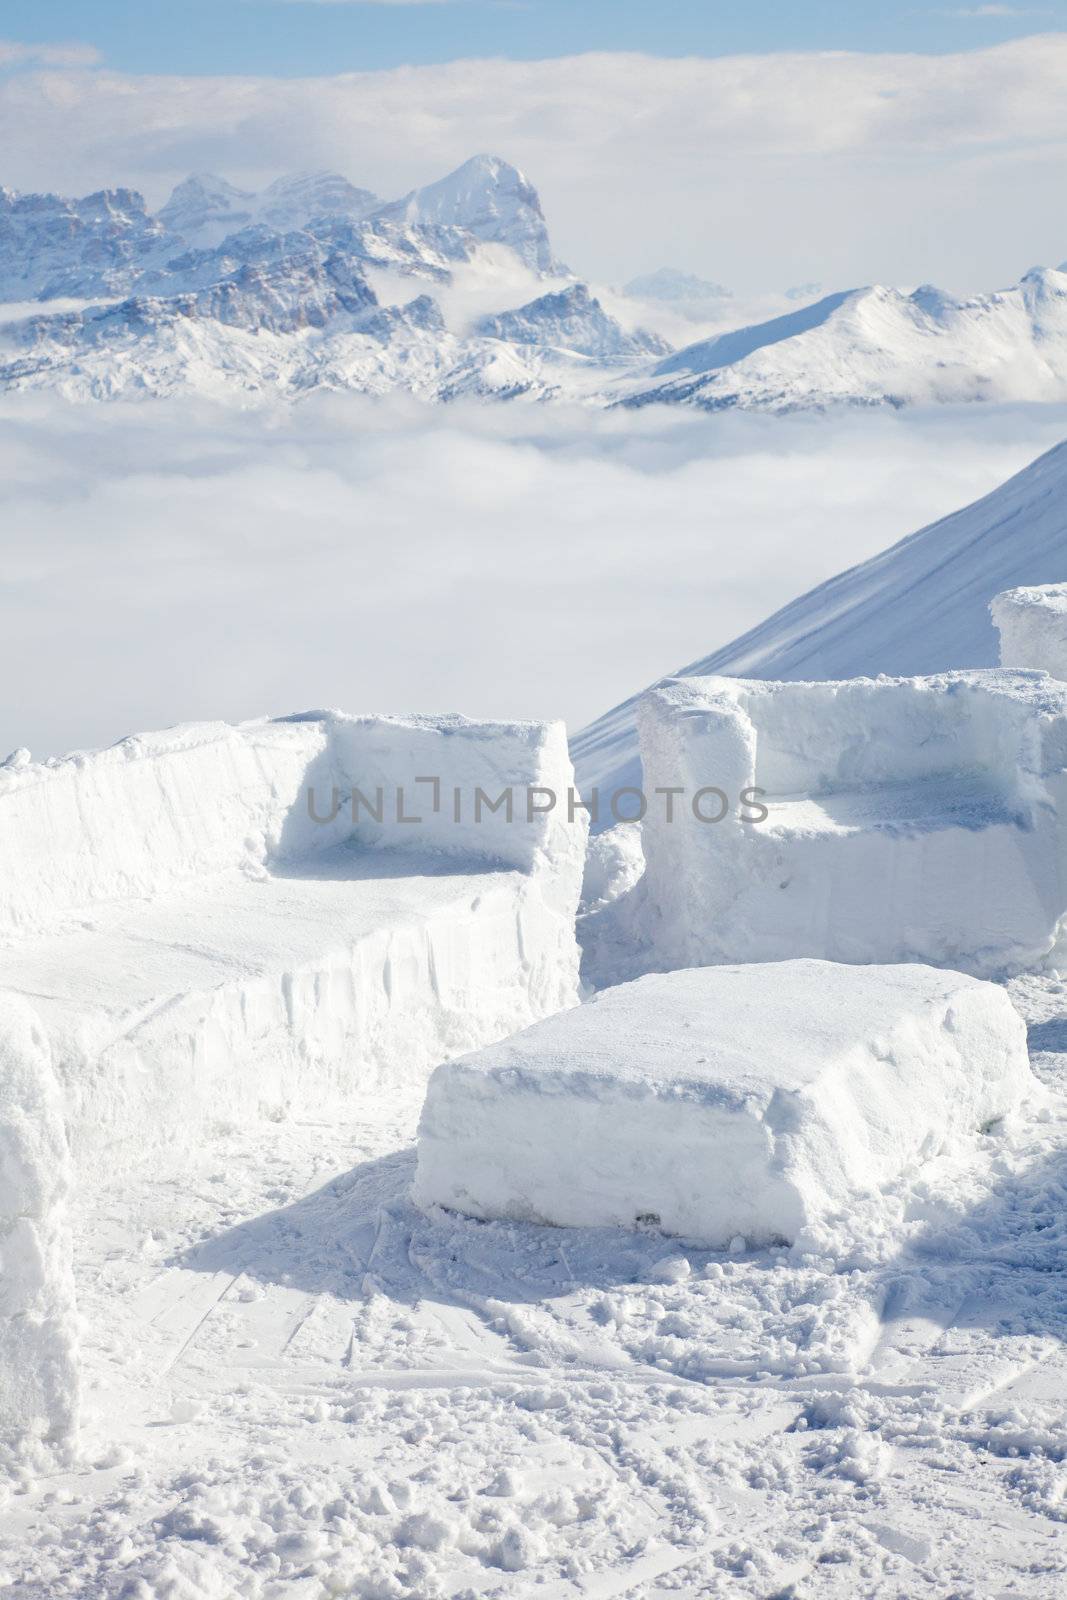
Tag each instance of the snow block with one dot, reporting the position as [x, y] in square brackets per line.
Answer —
[216, 924]
[907, 819]
[722, 1101]
[38, 1326]
[1032, 624]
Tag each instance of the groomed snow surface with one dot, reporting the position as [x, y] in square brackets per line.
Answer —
[755, 1101]
[299, 1385]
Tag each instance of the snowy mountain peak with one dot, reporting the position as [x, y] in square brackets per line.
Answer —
[881, 346]
[121, 204]
[675, 288]
[204, 209]
[573, 319]
[293, 201]
[1042, 285]
[490, 199]
[934, 301]
[204, 201]
[208, 186]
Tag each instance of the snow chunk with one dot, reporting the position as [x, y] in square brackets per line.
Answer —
[724, 1101]
[38, 1371]
[1032, 624]
[908, 819]
[613, 865]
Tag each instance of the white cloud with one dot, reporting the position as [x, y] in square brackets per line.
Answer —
[976, 13]
[15, 54]
[173, 561]
[758, 171]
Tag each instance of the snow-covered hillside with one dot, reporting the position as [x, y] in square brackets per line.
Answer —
[919, 607]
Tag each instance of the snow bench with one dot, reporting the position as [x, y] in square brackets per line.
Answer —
[214, 924]
[1032, 624]
[907, 819]
[757, 1100]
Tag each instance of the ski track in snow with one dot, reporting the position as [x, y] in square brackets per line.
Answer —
[308, 1388]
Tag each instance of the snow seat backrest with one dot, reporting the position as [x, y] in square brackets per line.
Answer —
[1005, 729]
[161, 809]
[912, 819]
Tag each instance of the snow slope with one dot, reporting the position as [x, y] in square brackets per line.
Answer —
[920, 607]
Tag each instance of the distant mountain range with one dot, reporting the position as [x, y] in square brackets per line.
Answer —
[313, 283]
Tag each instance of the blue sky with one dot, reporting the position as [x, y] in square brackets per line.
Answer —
[293, 37]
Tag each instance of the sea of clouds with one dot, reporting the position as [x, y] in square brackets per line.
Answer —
[176, 560]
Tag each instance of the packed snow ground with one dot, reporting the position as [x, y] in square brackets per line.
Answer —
[305, 1387]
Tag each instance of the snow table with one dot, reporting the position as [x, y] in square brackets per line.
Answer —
[717, 1102]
